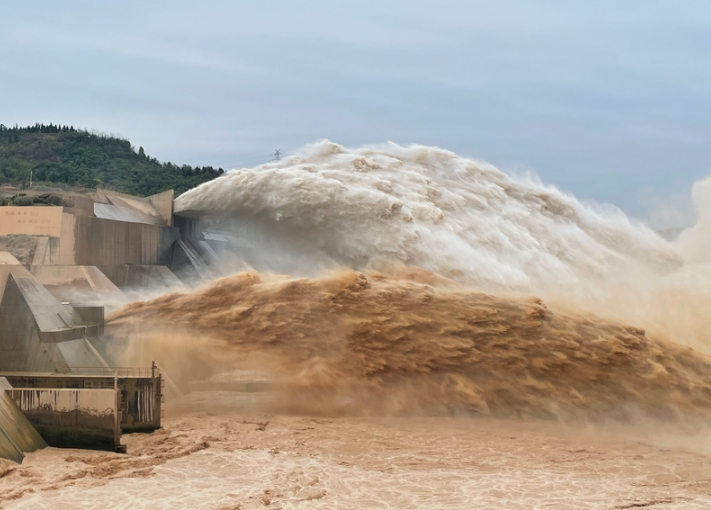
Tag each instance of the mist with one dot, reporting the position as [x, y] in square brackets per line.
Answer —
[429, 283]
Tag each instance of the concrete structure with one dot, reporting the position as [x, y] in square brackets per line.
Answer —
[78, 262]
[153, 277]
[140, 391]
[111, 245]
[37, 332]
[17, 435]
[80, 285]
[34, 221]
[108, 230]
[155, 206]
[73, 418]
[195, 260]
[60, 380]
[114, 232]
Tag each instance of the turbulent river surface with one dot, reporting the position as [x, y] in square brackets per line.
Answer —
[438, 334]
[220, 451]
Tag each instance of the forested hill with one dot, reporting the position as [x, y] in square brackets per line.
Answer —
[61, 154]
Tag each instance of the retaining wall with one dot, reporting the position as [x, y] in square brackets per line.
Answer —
[17, 435]
[73, 418]
[141, 392]
[110, 245]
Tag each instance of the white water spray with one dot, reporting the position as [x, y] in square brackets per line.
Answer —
[428, 207]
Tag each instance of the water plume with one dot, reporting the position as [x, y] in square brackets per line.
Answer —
[695, 243]
[412, 271]
[329, 206]
[366, 343]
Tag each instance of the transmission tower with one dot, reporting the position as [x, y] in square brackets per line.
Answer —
[277, 155]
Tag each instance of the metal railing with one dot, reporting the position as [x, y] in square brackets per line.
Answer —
[96, 385]
[143, 372]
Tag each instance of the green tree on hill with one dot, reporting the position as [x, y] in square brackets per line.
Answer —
[63, 154]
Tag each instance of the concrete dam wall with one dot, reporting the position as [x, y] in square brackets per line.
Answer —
[17, 435]
[72, 418]
[140, 391]
[38, 332]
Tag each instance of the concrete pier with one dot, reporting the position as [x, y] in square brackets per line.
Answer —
[73, 418]
[140, 391]
[37, 332]
[17, 435]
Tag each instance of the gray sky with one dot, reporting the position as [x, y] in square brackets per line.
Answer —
[609, 100]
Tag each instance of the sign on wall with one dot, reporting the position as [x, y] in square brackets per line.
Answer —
[29, 220]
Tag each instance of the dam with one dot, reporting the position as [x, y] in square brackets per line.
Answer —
[63, 268]
[445, 380]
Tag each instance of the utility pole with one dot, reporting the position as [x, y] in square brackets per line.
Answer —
[277, 155]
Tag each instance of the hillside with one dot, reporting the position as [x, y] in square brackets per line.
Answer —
[52, 154]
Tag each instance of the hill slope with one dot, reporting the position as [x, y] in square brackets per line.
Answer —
[62, 154]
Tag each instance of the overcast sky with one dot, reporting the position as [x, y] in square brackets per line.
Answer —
[609, 100]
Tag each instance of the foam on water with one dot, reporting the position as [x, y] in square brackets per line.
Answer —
[317, 464]
[229, 480]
